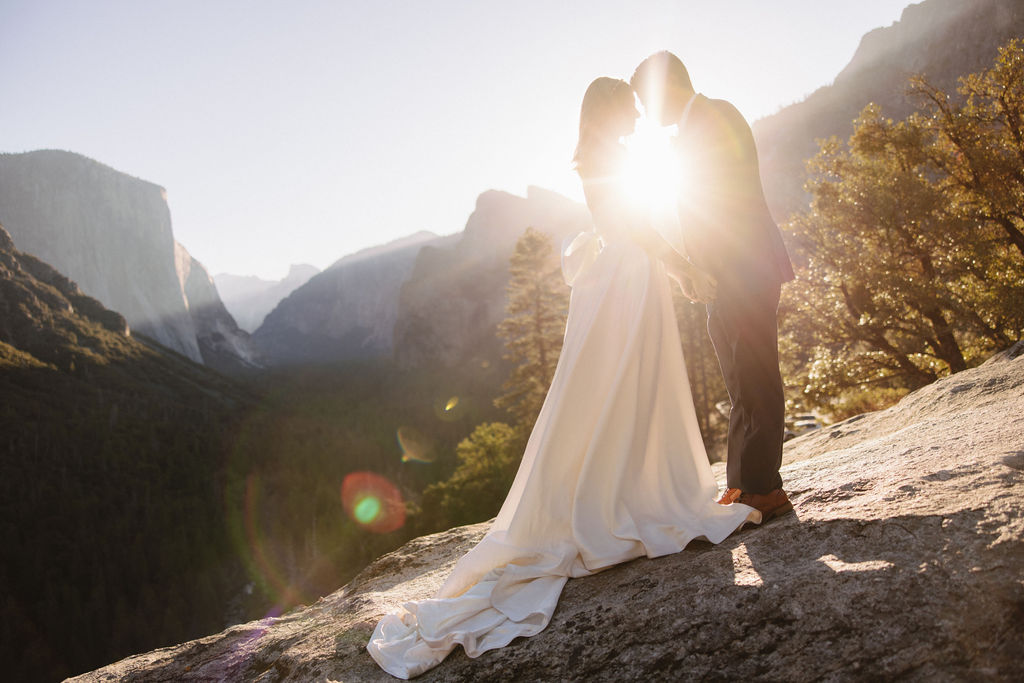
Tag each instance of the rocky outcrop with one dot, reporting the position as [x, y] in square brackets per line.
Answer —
[455, 296]
[903, 560]
[222, 344]
[943, 39]
[45, 316]
[111, 233]
[347, 312]
[249, 298]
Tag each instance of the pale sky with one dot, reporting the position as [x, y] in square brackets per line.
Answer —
[298, 132]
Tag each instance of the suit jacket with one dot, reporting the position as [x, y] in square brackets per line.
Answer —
[727, 227]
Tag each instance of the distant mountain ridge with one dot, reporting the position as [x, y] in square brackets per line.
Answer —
[423, 299]
[455, 296]
[347, 312]
[112, 233]
[942, 39]
[249, 298]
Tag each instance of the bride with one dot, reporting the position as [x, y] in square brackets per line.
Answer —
[615, 467]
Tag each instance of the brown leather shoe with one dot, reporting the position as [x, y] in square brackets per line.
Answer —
[771, 505]
[729, 496]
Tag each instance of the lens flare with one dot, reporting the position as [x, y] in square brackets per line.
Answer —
[373, 502]
[415, 446]
[450, 408]
[367, 509]
[258, 554]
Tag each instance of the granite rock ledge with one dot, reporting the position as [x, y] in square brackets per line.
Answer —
[903, 560]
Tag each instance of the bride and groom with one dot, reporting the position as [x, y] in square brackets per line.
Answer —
[615, 467]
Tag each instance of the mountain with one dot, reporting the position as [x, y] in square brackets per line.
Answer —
[249, 298]
[111, 481]
[346, 312]
[942, 39]
[112, 234]
[905, 517]
[222, 345]
[455, 296]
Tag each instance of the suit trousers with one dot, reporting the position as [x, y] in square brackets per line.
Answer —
[743, 326]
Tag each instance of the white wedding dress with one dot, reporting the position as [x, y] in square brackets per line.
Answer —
[615, 467]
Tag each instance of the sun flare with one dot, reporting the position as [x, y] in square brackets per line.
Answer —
[654, 172]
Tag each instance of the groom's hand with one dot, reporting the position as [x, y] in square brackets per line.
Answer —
[697, 285]
[704, 287]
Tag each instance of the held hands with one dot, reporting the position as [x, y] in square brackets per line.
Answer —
[697, 285]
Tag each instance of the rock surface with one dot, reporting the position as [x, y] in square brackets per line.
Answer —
[904, 559]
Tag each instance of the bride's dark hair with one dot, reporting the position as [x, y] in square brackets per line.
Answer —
[604, 98]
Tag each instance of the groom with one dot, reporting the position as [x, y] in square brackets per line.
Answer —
[729, 233]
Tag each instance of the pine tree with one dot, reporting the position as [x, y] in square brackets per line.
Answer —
[538, 301]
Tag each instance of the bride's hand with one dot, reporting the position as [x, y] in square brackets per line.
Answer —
[697, 285]
[705, 288]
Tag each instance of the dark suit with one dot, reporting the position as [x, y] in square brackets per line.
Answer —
[730, 233]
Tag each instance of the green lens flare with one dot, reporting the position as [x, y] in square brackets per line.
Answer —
[367, 509]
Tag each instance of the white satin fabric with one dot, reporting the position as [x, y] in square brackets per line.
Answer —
[614, 469]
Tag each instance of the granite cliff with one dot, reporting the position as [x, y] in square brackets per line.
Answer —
[429, 301]
[112, 234]
[455, 296]
[346, 312]
[942, 39]
[222, 344]
[903, 560]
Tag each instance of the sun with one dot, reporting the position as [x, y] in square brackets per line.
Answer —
[654, 171]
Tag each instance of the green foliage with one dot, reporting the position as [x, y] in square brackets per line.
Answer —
[911, 263]
[487, 464]
[112, 532]
[538, 302]
[706, 382]
[314, 427]
[146, 501]
[533, 330]
[978, 144]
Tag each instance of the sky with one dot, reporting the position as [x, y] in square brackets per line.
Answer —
[299, 132]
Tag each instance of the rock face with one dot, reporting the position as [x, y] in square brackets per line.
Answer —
[455, 297]
[428, 300]
[943, 39]
[346, 312]
[903, 559]
[222, 344]
[112, 234]
[249, 298]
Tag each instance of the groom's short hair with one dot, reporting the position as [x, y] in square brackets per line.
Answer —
[658, 71]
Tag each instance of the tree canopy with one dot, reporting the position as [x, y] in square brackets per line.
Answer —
[912, 263]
